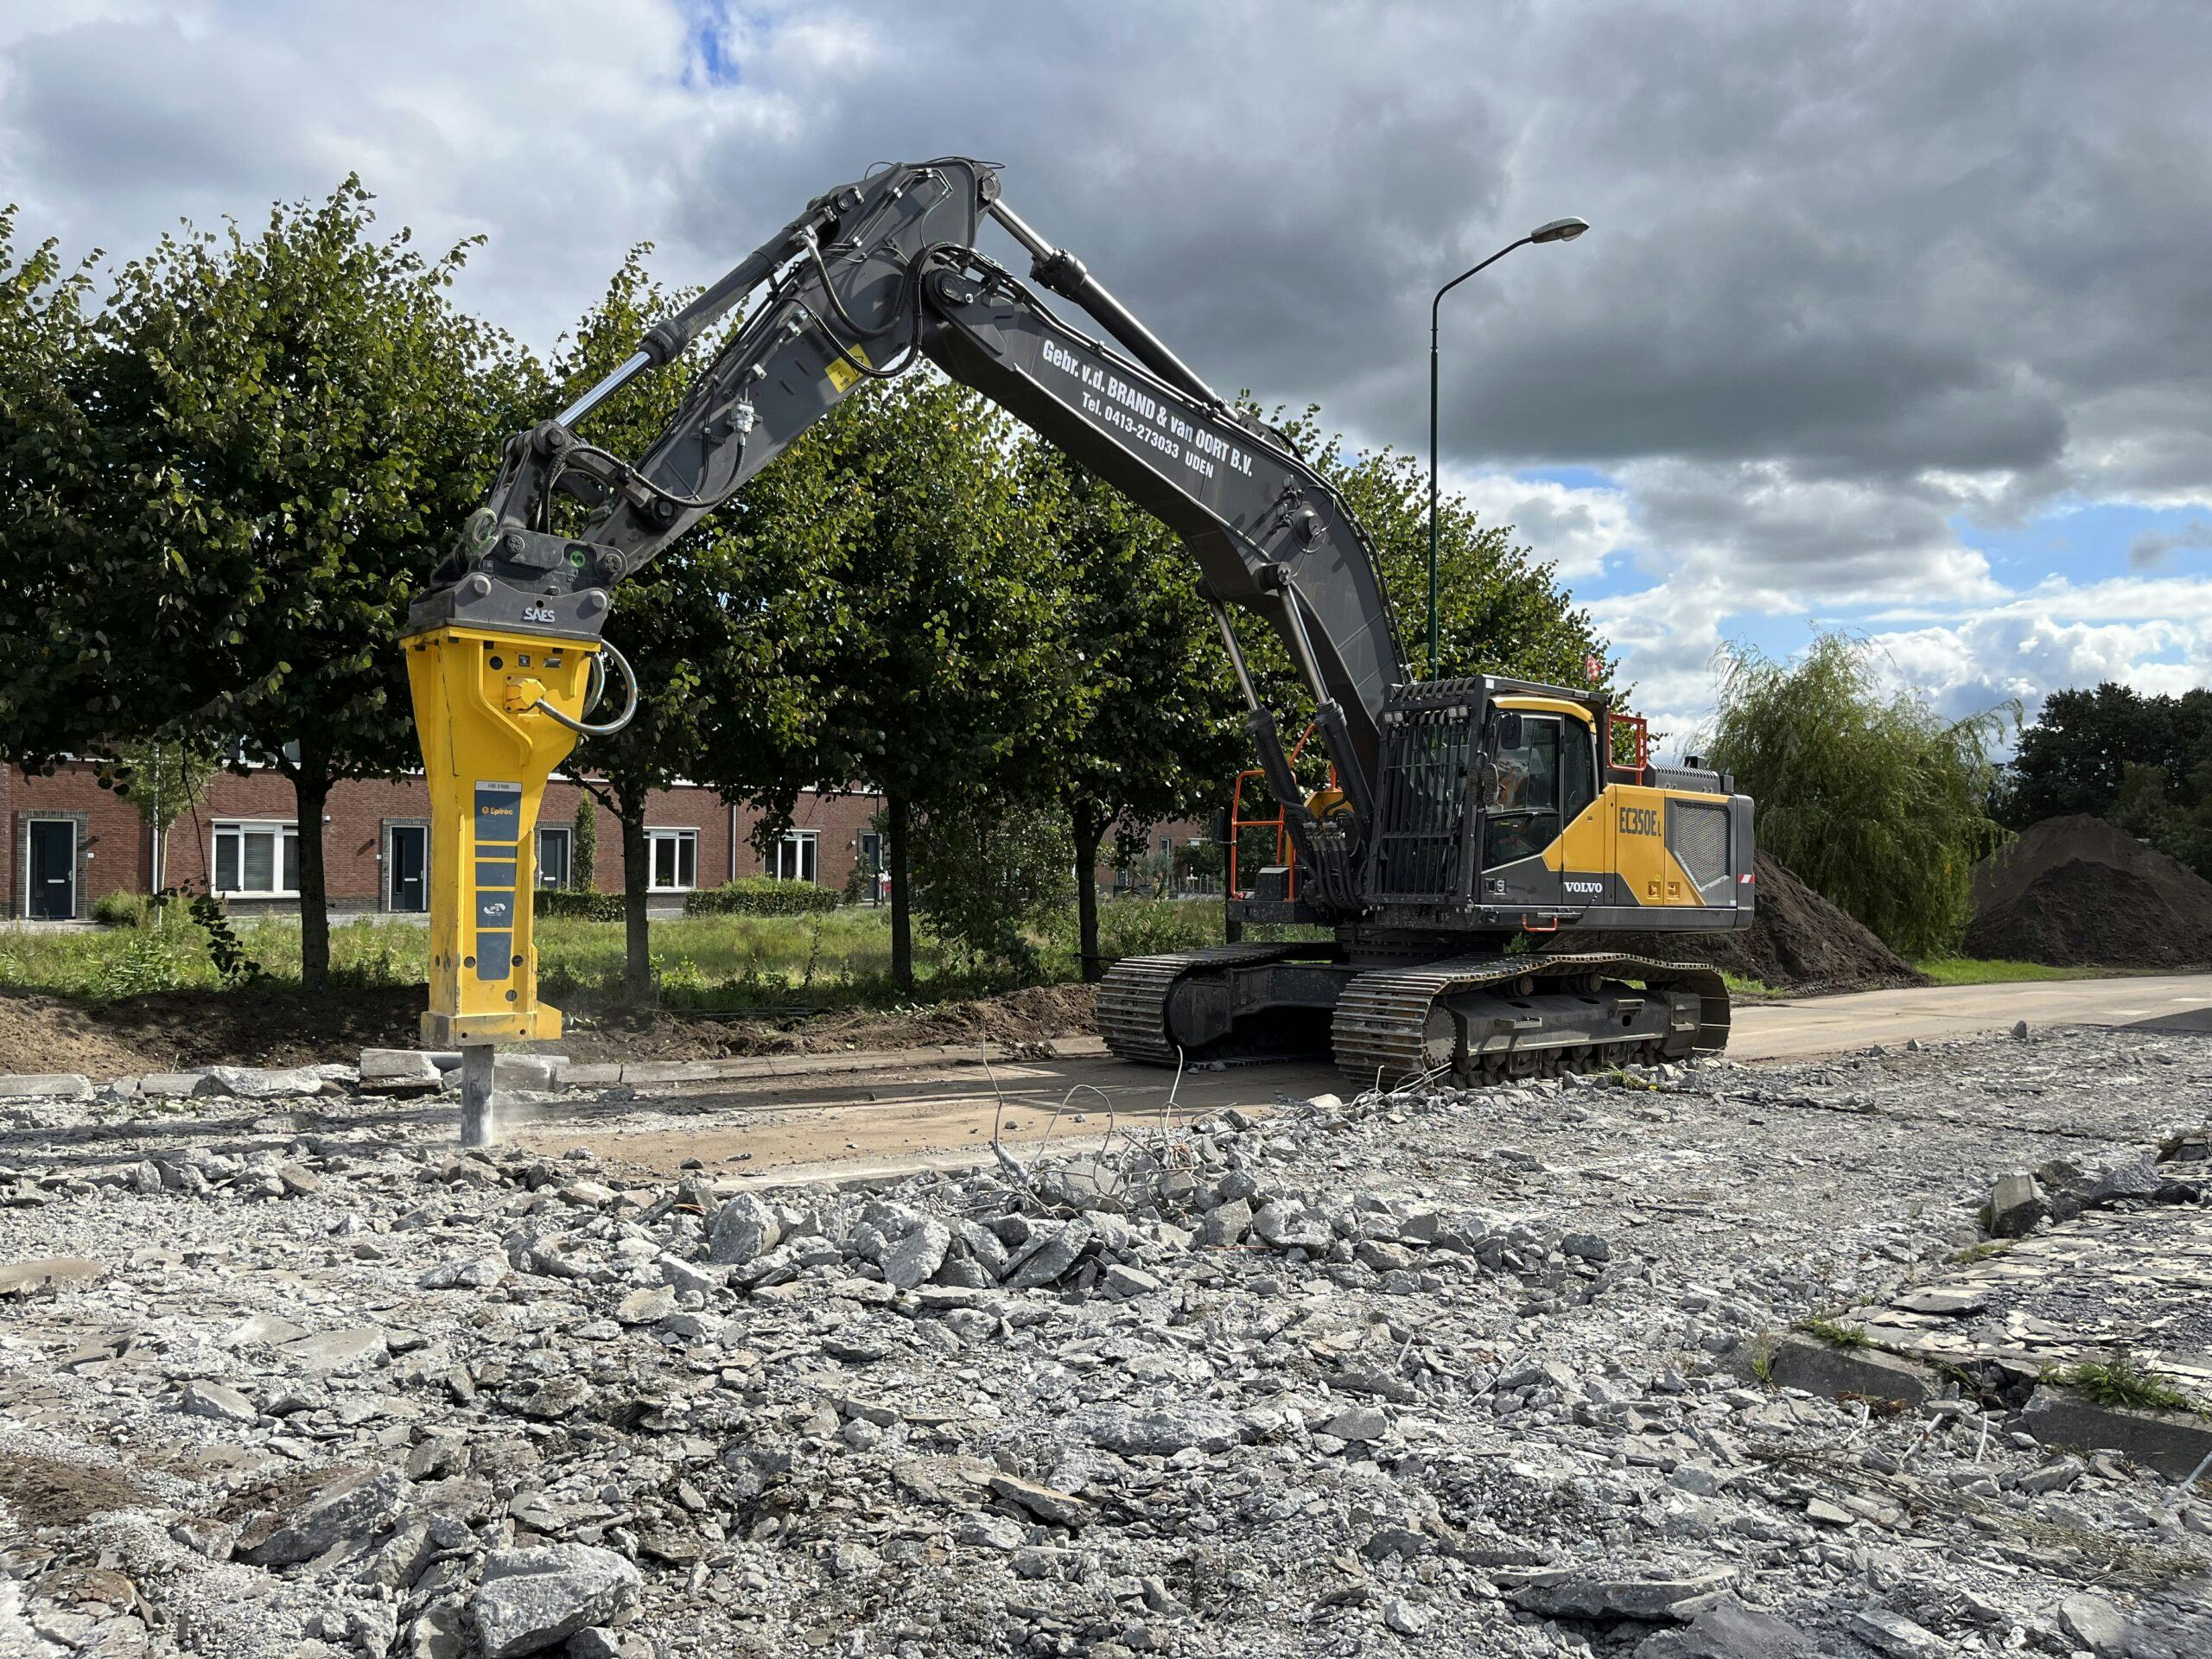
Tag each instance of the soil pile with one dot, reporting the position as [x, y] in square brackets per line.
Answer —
[1800, 942]
[1009, 1022]
[45, 1034]
[271, 1025]
[2076, 893]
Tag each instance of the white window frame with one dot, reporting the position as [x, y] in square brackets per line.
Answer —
[282, 829]
[680, 836]
[566, 832]
[805, 847]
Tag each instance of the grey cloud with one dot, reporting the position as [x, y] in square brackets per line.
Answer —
[2152, 548]
[1855, 270]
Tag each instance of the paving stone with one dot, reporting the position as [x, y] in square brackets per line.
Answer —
[264, 1083]
[2016, 1204]
[1729, 1629]
[399, 1071]
[176, 1085]
[2096, 1624]
[50, 1273]
[1570, 1593]
[1796, 1361]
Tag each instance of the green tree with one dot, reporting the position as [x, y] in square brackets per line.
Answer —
[1150, 724]
[925, 640]
[163, 780]
[1865, 793]
[583, 860]
[2145, 806]
[2143, 762]
[693, 623]
[290, 423]
[56, 668]
[989, 874]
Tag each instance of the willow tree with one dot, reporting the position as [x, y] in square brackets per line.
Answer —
[1869, 796]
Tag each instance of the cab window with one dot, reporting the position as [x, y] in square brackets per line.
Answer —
[1577, 771]
[1522, 816]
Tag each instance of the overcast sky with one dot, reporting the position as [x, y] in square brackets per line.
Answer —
[1894, 317]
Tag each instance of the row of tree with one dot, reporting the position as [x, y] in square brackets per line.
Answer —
[224, 479]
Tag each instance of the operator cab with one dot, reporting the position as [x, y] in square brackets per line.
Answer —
[1543, 775]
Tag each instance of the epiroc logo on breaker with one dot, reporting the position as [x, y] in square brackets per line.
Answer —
[1639, 820]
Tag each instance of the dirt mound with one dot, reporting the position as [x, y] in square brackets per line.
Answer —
[1800, 942]
[175, 1030]
[45, 1034]
[2076, 892]
[1006, 1021]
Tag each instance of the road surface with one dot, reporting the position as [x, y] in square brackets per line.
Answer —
[838, 1116]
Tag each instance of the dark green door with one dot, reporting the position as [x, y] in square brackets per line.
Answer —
[52, 872]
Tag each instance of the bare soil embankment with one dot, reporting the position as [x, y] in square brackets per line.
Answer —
[284, 1025]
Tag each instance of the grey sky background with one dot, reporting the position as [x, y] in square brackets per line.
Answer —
[1894, 317]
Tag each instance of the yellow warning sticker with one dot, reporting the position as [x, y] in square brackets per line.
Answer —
[842, 375]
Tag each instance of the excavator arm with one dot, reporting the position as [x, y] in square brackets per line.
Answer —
[505, 648]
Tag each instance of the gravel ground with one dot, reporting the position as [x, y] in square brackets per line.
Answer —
[1437, 1373]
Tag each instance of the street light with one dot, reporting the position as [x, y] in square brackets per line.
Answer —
[1560, 230]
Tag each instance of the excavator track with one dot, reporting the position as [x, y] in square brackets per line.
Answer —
[1391, 1023]
[1134, 996]
[1483, 1018]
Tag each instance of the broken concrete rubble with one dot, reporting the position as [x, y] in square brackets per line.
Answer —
[1477, 1387]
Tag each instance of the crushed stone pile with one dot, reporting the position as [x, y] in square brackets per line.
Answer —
[1453, 1374]
[1800, 943]
[2077, 893]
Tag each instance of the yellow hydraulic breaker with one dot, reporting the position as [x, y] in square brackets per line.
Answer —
[497, 712]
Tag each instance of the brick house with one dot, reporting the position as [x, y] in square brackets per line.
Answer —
[69, 841]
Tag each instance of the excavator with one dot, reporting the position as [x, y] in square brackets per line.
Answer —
[1479, 838]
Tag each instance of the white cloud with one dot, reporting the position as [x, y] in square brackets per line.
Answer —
[1577, 527]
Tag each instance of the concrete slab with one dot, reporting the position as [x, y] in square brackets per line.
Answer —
[45, 1086]
[2175, 1443]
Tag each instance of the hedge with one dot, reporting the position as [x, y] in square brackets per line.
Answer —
[760, 895]
[578, 902]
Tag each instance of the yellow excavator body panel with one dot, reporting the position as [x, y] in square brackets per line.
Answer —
[1624, 830]
[488, 746]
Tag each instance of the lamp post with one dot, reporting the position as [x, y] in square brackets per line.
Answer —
[1560, 230]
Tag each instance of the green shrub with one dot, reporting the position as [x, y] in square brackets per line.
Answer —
[577, 902]
[987, 876]
[760, 895]
[159, 957]
[1151, 927]
[122, 909]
